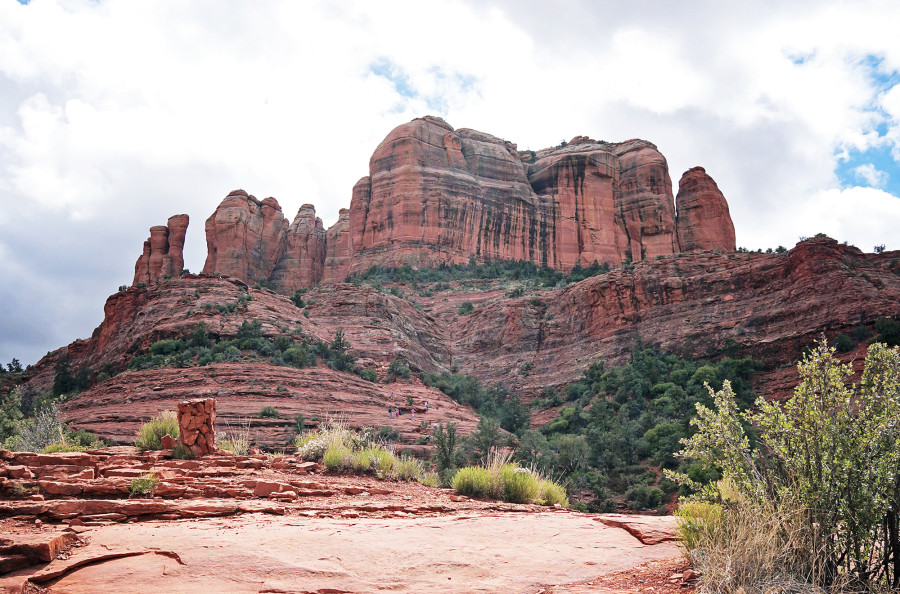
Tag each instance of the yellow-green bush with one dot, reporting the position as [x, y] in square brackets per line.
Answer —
[508, 482]
[473, 481]
[150, 433]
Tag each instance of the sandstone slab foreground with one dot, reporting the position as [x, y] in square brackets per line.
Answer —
[493, 552]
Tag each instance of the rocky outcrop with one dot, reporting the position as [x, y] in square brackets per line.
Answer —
[435, 195]
[245, 237]
[338, 249]
[703, 222]
[303, 258]
[163, 254]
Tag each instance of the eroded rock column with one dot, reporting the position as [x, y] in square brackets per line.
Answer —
[196, 424]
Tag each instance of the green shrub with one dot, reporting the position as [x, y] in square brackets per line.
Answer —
[822, 482]
[143, 485]
[843, 343]
[473, 481]
[465, 308]
[508, 482]
[550, 493]
[369, 375]
[167, 347]
[398, 368]
[269, 412]
[408, 469]
[150, 433]
[519, 485]
[336, 457]
[182, 452]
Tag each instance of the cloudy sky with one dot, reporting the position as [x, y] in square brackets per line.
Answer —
[116, 114]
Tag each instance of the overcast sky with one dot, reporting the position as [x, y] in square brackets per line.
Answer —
[116, 114]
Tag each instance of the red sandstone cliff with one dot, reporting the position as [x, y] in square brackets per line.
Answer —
[769, 305]
[438, 195]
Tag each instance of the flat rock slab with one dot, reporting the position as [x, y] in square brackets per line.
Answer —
[500, 552]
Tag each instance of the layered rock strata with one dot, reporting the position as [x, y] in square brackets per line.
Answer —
[436, 195]
[163, 254]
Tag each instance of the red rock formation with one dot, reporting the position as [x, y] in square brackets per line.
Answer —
[339, 248]
[438, 195]
[245, 237]
[301, 265]
[163, 252]
[703, 222]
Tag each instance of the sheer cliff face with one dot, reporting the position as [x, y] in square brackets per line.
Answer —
[438, 195]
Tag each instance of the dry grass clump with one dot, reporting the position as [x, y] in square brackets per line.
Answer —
[235, 438]
[343, 450]
[508, 481]
[150, 433]
[744, 547]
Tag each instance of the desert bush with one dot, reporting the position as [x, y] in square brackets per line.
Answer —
[341, 449]
[551, 493]
[408, 469]
[269, 412]
[473, 481]
[508, 482]
[143, 485]
[150, 434]
[235, 438]
[398, 368]
[465, 308]
[823, 481]
[369, 375]
[182, 452]
[336, 457]
[44, 429]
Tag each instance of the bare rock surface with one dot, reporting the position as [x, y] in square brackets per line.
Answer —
[703, 222]
[163, 254]
[334, 533]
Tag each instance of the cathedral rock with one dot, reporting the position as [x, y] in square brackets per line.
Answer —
[438, 195]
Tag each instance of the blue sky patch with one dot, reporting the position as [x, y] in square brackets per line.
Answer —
[873, 168]
[395, 75]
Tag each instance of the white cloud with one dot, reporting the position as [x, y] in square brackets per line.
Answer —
[115, 114]
[870, 175]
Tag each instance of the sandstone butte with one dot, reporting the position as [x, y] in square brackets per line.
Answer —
[438, 195]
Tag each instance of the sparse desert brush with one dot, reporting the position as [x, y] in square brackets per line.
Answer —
[150, 433]
[813, 507]
[342, 449]
[235, 438]
[551, 493]
[508, 481]
[143, 485]
[473, 481]
[408, 469]
[336, 457]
